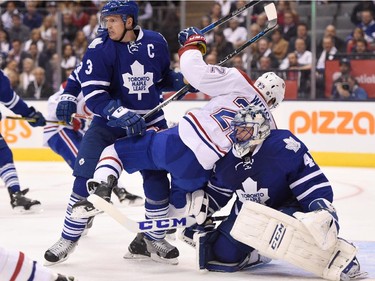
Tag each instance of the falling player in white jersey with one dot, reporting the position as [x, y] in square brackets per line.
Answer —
[189, 150]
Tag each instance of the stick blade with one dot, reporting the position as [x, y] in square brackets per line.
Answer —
[112, 211]
[271, 13]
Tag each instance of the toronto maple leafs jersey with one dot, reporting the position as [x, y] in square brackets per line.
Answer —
[206, 131]
[280, 171]
[128, 72]
[11, 99]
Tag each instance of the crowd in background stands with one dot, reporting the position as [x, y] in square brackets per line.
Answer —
[29, 30]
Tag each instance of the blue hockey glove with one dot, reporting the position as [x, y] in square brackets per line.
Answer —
[192, 36]
[38, 117]
[66, 107]
[122, 117]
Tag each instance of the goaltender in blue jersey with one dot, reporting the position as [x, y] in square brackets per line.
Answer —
[272, 168]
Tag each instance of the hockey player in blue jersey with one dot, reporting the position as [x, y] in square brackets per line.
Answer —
[66, 139]
[273, 168]
[189, 150]
[8, 172]
[122, 76]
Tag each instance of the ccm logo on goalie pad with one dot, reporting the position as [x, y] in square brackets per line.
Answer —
[166, 223]
[277, 236]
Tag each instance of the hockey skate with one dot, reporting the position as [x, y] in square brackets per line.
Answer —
[84, 208]
[157, 250]
[127, 198]
[60, 251]
[22, 204]
[61, 277]
[353, 271]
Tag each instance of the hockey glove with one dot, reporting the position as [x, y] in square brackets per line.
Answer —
[321, 222]
[122, 117]
[38, 118]
[66, 107]
[192, 36]
[198, 205]
[188, 234]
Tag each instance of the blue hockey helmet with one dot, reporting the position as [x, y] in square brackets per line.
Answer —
[124, 8]
[250, 127]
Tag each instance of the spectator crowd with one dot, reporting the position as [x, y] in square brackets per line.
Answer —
[29, 33]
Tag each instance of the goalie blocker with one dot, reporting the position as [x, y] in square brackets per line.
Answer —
[279, 236]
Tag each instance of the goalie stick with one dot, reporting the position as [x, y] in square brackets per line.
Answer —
[271, 13]
[145, 225]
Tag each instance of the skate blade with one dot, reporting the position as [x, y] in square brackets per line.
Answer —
[48, 263]
[133, 203]
[82, 213]
[130, 256]
[35, 209]
[157, 258]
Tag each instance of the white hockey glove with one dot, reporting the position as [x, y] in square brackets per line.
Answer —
[321, 222]
[198, 205]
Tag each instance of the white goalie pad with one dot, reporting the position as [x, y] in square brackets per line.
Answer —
[279, 236]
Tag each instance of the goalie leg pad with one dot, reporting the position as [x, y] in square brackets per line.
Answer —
[280, 236]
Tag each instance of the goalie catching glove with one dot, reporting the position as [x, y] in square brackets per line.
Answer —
[192, 36]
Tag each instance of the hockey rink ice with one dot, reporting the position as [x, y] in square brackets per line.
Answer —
[99, 255]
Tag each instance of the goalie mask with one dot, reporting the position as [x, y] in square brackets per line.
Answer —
[124, 8]
[272, 88]
[250, 128]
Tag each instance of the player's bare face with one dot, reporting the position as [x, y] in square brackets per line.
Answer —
[115, 26]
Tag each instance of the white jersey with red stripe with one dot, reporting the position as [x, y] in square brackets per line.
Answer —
[15, 265]
[52, 129]
[206, 131]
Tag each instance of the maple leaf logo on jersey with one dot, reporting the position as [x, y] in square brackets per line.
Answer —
[251, 192]
[139, 82]
[292, 144]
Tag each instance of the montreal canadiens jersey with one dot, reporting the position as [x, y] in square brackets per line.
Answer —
[280, 171]
[206, 131]
[128, 72]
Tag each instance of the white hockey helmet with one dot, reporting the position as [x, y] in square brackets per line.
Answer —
[250, 127]
[272, 88]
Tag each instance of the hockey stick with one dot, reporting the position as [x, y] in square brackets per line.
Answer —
[139, 226]
[211, 26]
[271, 13]
[146, 225]
[34, 120]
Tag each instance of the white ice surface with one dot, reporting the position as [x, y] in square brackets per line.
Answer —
[98, 256]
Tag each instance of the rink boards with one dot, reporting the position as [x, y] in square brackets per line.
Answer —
[337, 133]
